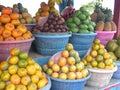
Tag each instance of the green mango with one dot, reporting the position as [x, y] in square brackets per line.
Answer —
[90, 27]
[71, 25]
[74, 30]
[86, 21]
[76, 20]
[83, 26]
[92, 23]
[84, 31]
[70, 20]
[86, 13]
[77, 13]
[82, 17]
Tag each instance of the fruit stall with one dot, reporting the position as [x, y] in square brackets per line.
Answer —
[60, 48]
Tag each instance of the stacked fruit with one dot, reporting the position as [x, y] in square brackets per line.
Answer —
[10, 27]
[103, 18]
[81, 22]
[53, 24]
[67, 66]
[98, 57]
[113, 46]
[46, 9]
[24, 16]
[20, 72]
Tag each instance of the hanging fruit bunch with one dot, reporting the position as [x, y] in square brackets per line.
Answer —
[21, 72]
[10, 27]
[24, 16]
[103, 18]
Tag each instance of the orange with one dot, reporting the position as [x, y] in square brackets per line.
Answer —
[13, 60]
[22, 28]
[35, 78]
[72, 68]
[9, 39]
[93, 53]
[15, 79]
[94, 63]
[55, 75]
[37, 66]
[62, 76]
[45, 67]
[84, 61]
[88, 58]
[21, 87]
[106, 55]
[101, 51]
[49, 71]
[84, 73]
[41, 83]
[26, 36]
[25, 80]
[12, 69]
[95, 46]
[56, 68]
[6, 33]
[64, 69]
[39, 74]
[1, 29]
[71, 60]
[1, 38]
[79, 66]
[16, 33]
[96, 41]
[15, 22]
[108, 62]
[30, 60]
[101, 46]
[9, 26]
[101, 65]
[62, 61]
[14, 16]
[65, 54]
[19, 38]
[4, 65]
[22, 72]
[5, 18]
[32, 86]
[31, 69]
[29, 33]
[10, 87]
[0, 72]
[78, 75]
[14, 51]
[50, 63]
[22, 63]
[99, 58]
[71, 76]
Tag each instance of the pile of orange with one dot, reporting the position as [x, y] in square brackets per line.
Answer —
[68, 65]
[98, 57]
[21, 72]
[10, 27]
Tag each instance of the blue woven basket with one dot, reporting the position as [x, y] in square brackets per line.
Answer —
[116, 74]
[58, 84]
[82, 42]
[49, 44]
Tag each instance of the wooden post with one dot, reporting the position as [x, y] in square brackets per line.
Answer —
[117, 16]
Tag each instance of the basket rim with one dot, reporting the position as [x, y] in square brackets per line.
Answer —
[80, 34]
[105, 32]
[103, 70]
[33, 24]
[71, 81]
[20, 41]
[52, 35]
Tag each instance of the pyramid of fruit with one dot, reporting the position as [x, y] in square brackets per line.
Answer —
[20, 72]
[24, 16]
[66, 65]
[98, 57]
[10, 27]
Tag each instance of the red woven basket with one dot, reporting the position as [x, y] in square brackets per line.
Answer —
[6, 46]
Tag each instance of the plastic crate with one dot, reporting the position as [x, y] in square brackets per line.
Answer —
[6, 46]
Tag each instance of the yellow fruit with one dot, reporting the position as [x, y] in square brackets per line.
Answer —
[88, 58]
[71, 60]
[45, 67]
[78, 75]
[56, 68]
[64, 69]
[21, 87]
[101, 65]
[10, 87]
[0, 72]
[65, 53]
[106, 55]
[49, 71]
[93, 53]
[32, 86]
[62, 76]
[12, 69]
[4, 65]
[30, 60]
[37, 66]
[50, 63]
[25, 80]
[69, 47]
[41, 83]
[15, 79]
[22, 72]
[55, 75]
[14, 51]
[72, 68]
[13, 60]
[34, 78]
[95, 47]
[31, 69]
[84, 73]
[71, 76]
[2, 85]
[5, 76]
[39, 74]
[94, 63]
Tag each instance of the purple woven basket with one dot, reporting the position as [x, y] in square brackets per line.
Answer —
[6, 46]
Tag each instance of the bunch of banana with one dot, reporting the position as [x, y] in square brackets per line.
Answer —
[56, 1]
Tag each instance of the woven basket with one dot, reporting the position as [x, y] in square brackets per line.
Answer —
[105, 36]
[116, 75]
[99, 77]
[82, 42]
[58, 84]
[6, 46]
